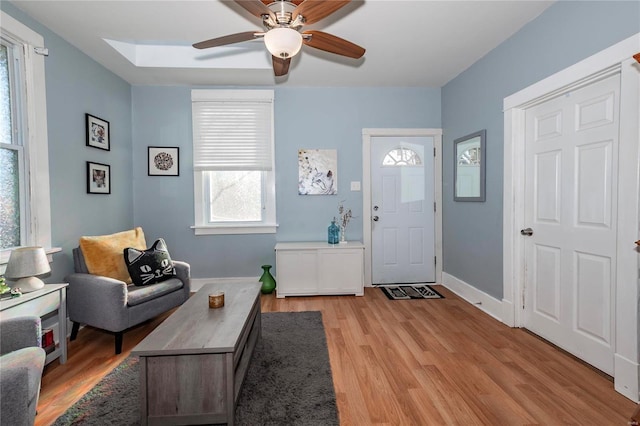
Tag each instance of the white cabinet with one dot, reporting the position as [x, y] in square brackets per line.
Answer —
[296, 271]
[312, 268]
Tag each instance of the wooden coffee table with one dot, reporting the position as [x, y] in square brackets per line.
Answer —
[192, 366]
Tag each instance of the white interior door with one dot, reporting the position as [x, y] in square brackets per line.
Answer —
[402, 210]
[571, 158]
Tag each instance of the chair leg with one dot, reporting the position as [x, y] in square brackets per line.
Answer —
[74, 331]
[119, 342]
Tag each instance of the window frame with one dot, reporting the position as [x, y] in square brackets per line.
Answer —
[37, 225]
[202, 225]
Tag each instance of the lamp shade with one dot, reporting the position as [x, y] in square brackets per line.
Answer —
[283, 42]
[24, 264]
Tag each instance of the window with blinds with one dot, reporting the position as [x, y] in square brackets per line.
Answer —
[233, 161]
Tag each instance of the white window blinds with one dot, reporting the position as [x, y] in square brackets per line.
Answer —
[232, 129]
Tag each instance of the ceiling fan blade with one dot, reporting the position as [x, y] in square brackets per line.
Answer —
[330, 43]
[256, 8]
[315, 10]
[228, 39]
[280, 66]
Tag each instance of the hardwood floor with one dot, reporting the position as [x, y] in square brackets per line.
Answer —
[417, 362]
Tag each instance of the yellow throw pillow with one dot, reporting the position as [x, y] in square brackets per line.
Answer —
[104, 254]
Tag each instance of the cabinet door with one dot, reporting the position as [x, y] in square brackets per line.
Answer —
[341, 271]
[297, 272]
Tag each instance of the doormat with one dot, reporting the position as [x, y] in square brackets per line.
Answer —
[413, 291]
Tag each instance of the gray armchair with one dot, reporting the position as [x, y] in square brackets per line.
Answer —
[112, 305]
[21, 363]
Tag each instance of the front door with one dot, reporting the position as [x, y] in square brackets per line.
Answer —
[402, 210]
[571, 155]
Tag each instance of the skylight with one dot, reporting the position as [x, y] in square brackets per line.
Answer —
[148, 55]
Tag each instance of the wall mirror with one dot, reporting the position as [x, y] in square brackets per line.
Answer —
[469, 167]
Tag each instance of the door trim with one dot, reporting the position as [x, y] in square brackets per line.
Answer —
[615, 59]
[367, 135]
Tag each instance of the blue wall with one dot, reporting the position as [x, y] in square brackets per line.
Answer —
[326, 118]
[77, 85]
[564, 34]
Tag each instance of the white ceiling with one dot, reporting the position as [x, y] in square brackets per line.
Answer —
[409, 43]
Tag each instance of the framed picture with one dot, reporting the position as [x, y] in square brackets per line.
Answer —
[98, 133]
[163, 161]
[98, 178]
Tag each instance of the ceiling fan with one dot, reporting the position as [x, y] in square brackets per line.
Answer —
[283, 21]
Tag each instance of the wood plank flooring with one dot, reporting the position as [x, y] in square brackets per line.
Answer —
[415, 362]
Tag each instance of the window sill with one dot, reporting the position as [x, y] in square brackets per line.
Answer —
[234, 229]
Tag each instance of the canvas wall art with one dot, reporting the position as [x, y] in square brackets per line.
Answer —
[317, 171]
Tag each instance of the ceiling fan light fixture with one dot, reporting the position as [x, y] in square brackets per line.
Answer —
[283, 42]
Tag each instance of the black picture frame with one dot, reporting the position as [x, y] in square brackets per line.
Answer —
[98, 132]
[469, 167]
[98, 178]
[163, 161]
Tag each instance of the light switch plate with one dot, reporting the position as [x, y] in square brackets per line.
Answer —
[355, 186]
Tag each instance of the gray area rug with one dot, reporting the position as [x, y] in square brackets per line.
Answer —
[288, 383]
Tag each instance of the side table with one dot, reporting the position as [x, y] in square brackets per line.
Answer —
[48, 302]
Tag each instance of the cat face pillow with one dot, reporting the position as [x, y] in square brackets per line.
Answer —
[149, 266]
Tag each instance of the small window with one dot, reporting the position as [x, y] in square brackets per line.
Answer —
[402, 157]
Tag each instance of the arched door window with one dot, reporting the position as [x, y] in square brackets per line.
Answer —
[402, 157]
[471, 157]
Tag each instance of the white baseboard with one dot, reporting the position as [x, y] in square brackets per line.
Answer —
[626, 377]
[477, 298]
[508, 313]
[197, 283]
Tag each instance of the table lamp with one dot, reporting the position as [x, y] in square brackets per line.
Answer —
[24, 264]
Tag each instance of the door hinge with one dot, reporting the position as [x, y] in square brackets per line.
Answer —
[434, 206]
[435, 260]
[434, 151]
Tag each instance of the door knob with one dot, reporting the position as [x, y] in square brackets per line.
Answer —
[527, 231]
[376, 218]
